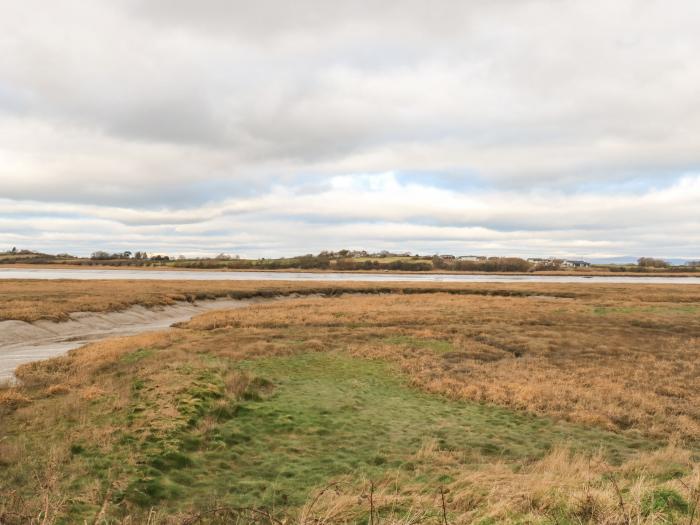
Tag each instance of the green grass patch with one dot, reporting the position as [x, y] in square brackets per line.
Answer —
[666, 501]
[138, 355]
[331, 415]
[300, 422]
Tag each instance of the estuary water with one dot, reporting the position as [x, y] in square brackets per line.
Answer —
[203, 275]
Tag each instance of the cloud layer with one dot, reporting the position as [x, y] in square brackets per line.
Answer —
[521, 127]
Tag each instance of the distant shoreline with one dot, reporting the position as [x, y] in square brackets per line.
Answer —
[164, 268]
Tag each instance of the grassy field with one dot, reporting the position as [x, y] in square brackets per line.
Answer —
[31, 300]
[474, 404]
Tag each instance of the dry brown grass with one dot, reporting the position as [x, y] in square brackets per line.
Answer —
[587, 486]
[625, 358]
[635, 366]
[30, 300]
[635, 369]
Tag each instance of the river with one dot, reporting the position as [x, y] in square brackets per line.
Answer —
[203, 275]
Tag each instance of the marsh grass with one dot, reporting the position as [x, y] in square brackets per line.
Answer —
[508, 408]
[31, 300]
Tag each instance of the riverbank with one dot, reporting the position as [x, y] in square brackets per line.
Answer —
[491, 404]
[23, 342]
[54, 300]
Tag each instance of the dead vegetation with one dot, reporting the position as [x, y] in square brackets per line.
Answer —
[31, 300]
[622, 358]
[632, 369]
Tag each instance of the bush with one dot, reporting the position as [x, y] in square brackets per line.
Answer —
[650, 262]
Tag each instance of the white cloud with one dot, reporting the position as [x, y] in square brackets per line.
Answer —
[379, 212]
[279, 126]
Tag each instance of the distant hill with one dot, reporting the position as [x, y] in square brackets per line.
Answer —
[29, 256]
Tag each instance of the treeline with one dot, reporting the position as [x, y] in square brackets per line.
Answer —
[398, 265]
[342, 260]
[305, 262]
[106, 256]
[492, 264]
[158, 260]
[652, 269]
[653, 265]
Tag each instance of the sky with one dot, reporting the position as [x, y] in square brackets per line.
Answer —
[270, 128]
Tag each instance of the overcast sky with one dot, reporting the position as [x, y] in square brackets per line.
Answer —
[553, 127]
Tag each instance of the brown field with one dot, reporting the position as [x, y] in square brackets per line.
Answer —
[614, 370]
[31, 300]
[632, 365]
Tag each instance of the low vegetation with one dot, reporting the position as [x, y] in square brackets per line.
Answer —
[31, 300]
[348, 261]
[529, 404]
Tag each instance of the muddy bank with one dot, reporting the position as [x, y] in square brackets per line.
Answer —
[22, 342]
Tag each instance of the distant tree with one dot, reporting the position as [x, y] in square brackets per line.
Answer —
[126, 254]
[494, 264]
[650, 262]
[14, 249]
[100, 255]
[439, 263]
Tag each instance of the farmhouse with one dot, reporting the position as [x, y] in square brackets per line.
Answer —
[562, 263]
[575, 264]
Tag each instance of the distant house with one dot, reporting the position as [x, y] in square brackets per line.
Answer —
[473, 258]
[549, 262]
[448, 257]
[575, 264]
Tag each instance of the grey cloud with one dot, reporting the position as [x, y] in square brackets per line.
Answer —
[215, 111]
[349, 214]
